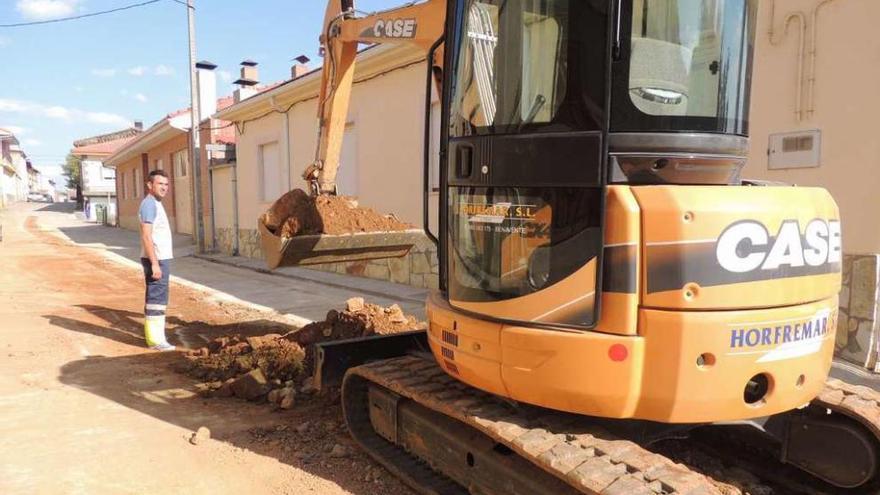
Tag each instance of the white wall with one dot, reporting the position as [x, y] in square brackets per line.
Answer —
[98, 179]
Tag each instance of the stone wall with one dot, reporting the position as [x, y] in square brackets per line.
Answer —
[858, 331]
[223, 235]
[419, 268]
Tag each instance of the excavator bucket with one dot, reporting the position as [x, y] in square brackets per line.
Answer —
[322, 248]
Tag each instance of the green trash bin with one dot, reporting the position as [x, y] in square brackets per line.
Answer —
[101, 214]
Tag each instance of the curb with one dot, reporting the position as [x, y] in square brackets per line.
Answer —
[336, 285]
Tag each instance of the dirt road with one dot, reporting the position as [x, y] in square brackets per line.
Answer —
[84, 408]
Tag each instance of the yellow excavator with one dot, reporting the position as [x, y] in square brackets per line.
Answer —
[608, 279]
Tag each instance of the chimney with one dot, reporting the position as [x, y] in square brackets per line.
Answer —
[139, 125]
[247, 82]
[300, 68]
[206, 81]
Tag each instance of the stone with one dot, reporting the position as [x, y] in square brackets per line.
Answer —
[274, 396]
[844, 297]
[303, 427]
[356, 268]
[308, 386]
[244, 363]
[842, 333]
[420, 263]
[432, 282]
[376, 271]
[225, 390]
[863, 288]
[251, 386]
[200, 435]
[399, 270]
[355, 304]
[204, 352]
[287, 396]
[215, 385]
[259, 341]
[395, 314]
[416, 280]
[339, 451]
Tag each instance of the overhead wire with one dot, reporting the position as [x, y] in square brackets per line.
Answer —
[82, 16]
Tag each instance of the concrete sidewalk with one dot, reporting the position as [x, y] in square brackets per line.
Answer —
[299, 293]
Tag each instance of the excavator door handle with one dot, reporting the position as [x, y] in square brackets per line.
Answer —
[464, 161]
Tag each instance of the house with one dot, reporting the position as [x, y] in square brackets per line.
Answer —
[98, 180]
[166, 146]
[381, 160]
[13, 162]
[33, 179]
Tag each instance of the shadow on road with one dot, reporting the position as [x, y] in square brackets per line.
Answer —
[123, 242]
[61, 207]
[150, 383]
[126, 327]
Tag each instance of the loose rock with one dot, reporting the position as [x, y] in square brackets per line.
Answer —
[287, 396]
[251, 386]
[200, 435]
[339, 451]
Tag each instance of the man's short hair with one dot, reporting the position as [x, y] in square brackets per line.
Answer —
[156, 172]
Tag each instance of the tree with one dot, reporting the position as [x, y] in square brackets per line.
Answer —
[72, 170]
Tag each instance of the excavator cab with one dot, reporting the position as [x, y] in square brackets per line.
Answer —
[548, 102]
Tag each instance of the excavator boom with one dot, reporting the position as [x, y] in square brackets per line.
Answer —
[420, 24]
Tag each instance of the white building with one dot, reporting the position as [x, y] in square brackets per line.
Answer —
[98, 181]
[13, 162]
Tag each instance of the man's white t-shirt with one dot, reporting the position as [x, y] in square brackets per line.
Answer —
[152, 211]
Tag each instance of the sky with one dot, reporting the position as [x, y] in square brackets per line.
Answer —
[70, 80]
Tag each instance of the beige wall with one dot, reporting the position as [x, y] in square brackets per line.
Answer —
[128, 207]
[847, 105]
[223, 198]
[387, 117]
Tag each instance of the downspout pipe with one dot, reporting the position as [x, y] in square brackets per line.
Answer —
[235, 208]
[802, 21]
[285, 128]
[213, 214]
[811, 78]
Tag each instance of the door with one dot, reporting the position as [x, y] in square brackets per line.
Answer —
[523, 183]
[183, 193]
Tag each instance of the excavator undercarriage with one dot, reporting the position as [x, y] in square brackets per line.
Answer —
[444, 437]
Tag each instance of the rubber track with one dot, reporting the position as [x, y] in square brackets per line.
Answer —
[855, 401]
[584, 456]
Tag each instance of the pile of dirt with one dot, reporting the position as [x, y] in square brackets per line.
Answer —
[359, 319]
[275, 366]
[296, 213]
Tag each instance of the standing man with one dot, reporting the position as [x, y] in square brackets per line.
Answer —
[156, 259]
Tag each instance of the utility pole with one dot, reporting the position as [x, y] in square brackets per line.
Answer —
[196, 117]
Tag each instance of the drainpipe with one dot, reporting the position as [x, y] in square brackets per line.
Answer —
[234, 166]
[211, 192]
[285, 127]
[801, 43]
[811, 79]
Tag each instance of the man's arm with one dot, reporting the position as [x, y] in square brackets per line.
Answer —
[147, 242]
[147, 216]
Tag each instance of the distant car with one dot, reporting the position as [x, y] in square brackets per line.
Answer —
[36, 197]
[49, 198]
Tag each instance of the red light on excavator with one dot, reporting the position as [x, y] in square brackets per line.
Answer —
[618, 352]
